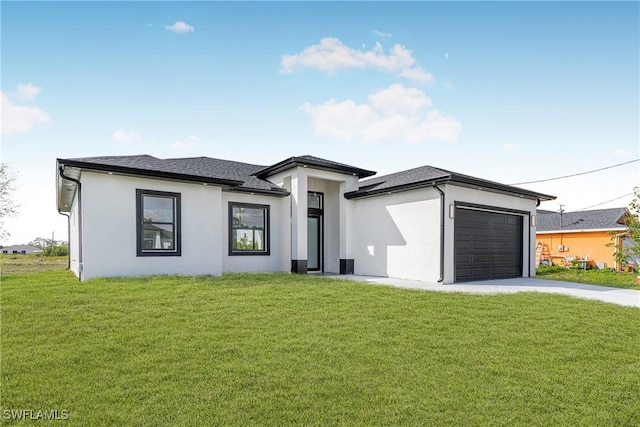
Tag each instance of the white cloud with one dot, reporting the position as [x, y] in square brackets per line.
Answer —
[19, 118]
[27, 92]
[381, 34]
[394, 113]
[446, 56]
[510, 146]
[397, 98]
[180, 27]
[621, 152]
[417, 74]
[189, 142]
[437, 126]
[122, 135]
[331, 56]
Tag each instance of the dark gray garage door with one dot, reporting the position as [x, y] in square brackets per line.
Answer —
[488, 245]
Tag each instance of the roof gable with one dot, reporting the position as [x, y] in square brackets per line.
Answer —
[314, 162]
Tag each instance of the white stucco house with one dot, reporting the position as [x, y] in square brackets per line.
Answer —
[139, 215]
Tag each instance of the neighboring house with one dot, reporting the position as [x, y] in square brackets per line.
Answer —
[581, 235]
[137, 215]
[21, 249]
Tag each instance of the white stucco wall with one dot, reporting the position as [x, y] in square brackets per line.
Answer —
[279, 258]
[398, 235]
[109, 228]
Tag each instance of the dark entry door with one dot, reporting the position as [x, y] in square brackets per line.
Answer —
[488, 245]
[315, 235]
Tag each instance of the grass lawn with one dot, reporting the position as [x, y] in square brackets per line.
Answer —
[280, 349]
[10, 263]
[591, 277]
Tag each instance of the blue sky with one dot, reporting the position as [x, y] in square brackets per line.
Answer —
[507, 91]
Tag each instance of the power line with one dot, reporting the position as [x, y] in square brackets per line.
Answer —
[603, 203]
[577, 174]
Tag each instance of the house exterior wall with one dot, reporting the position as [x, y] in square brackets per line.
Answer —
[395, 235]
[398, 235]
[279, 258]
[455, 194]
[109, 228]
[591, 244]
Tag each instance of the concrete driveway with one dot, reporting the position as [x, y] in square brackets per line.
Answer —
[626, 297]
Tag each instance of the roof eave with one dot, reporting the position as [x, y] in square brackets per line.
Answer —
[273, 192]
[357, 194]
[293, 162]
[149, 173]
[65, 192]
[581, 230]
[480, 184]
[453, 179]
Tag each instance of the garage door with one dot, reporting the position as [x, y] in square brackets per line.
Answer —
[488, 245]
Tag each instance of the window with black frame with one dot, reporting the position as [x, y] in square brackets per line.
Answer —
[248, 229]
[158, 223]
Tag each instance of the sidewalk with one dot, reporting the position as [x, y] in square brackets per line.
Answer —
[626, 297]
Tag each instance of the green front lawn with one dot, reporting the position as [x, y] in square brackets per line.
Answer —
[590, 277]
[280, 349]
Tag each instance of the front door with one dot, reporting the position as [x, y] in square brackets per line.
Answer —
[315, 235]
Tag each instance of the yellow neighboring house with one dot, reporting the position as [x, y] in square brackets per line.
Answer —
[580, 236]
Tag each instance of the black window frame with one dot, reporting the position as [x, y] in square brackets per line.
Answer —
[177, 250]
[267, 229]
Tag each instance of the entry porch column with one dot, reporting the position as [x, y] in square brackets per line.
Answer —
[299, 190]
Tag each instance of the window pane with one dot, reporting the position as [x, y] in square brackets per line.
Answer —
[248, 228]
[258, 240]
[248, 217]
[157, 209]
[157, 236]
[314, 201]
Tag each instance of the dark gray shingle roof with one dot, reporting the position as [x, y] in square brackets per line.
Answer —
[424, 176]
[248, 177]
[598, 219]
[236, 175]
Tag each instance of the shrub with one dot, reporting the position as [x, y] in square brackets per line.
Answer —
[62, 250]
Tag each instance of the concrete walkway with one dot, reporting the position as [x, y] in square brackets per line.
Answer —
[626, 297]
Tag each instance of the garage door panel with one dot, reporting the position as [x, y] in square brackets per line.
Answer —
[487, 245]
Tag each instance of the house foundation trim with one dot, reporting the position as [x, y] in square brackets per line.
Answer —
[299, 266]
[347, 266]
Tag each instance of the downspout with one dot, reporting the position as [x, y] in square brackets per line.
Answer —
[68, 238]
[80, 260]
[435, 186]
[529, 251]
